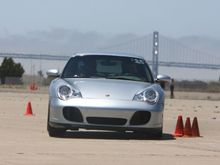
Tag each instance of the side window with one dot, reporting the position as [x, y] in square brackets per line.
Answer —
[148, 73]
[71, 68]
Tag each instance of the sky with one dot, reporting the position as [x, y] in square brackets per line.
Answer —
[20, 20]
[174, 18]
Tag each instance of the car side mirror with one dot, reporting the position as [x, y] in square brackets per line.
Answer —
[162, 80]
[53, 73]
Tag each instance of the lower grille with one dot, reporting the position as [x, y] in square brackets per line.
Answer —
[106, 121]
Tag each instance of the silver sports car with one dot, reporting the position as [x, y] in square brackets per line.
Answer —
[105, 91]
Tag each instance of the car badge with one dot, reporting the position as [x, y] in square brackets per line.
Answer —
[107, 95]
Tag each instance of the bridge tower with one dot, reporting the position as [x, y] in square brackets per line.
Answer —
[155, 54]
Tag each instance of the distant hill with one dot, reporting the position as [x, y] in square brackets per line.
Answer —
[204, 44]
[65, 41]
[59, 41]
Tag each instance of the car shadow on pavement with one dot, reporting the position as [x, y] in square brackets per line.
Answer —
[107, 135]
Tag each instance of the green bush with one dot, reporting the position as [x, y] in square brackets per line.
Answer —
[9, 68]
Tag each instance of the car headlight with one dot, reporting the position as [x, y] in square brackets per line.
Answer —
[149, 95]
[66, 92]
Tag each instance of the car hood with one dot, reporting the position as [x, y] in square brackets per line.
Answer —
[107, 88]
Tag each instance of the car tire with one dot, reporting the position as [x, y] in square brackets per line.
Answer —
[54, 132]
[158, 134]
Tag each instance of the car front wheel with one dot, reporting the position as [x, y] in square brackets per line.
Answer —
[54, 132]
[158, 134]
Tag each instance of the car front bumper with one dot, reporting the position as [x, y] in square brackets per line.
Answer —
[105, 114]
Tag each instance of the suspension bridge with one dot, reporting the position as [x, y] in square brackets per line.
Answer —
[170, 53]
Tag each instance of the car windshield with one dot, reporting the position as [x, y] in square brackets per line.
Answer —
[108, 67]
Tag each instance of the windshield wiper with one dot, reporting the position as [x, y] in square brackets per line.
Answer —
[122, 78]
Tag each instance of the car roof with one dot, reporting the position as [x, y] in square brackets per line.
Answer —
[108, 54]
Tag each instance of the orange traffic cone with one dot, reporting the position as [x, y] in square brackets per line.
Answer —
[195, 128]
[179, 127]
[187, 128]
[28, 110]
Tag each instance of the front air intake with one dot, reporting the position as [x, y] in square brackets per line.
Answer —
[140, 118]
[72, 114]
